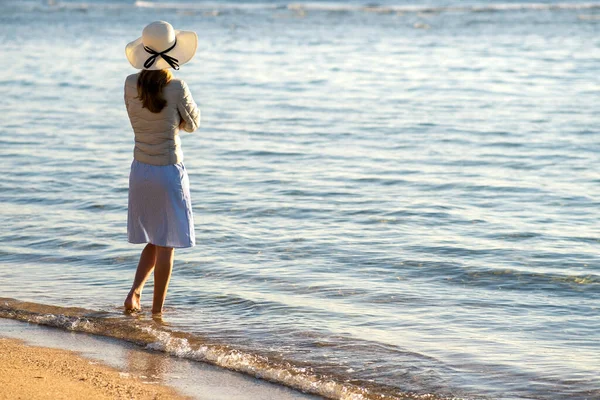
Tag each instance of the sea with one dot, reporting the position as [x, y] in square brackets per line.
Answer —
[392, 199]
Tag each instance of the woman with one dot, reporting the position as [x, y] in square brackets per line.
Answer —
[159, 210]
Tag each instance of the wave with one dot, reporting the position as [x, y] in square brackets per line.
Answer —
[157, 336]
[375, 8]
[418, 8]
[216, 8]
[208, 5]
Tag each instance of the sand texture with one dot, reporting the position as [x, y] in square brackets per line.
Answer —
[29, 372]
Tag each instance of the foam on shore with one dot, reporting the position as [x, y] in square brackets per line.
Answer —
[197, 380]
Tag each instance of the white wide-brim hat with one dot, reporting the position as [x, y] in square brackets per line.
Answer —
[161, 47]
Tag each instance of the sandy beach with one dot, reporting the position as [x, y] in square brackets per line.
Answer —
[32, 372]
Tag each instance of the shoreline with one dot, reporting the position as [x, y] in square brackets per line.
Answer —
[129, 363]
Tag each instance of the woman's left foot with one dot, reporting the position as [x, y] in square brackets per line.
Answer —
[132, 302]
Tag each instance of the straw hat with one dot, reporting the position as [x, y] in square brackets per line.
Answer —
[161, 47]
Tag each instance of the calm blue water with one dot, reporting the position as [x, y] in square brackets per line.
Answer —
[393, 199]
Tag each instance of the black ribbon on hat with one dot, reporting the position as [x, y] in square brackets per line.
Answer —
[173, 62]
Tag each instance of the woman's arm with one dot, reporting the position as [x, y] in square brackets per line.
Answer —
[188, 110]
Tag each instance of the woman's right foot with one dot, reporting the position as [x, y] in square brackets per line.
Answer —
[132, 302]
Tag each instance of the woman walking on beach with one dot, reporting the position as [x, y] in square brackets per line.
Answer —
[158, 105]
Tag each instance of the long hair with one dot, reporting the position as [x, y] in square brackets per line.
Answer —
[150, 86]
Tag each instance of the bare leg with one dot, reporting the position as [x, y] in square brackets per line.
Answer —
[144, 269]
[162, 276]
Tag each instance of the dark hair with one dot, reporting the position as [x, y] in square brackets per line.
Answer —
[150, 86]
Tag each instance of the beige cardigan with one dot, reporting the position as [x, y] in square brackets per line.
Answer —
[157, 139]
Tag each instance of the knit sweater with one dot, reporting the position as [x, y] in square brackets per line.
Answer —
[157, 139]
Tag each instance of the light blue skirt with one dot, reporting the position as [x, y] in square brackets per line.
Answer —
[160, 206]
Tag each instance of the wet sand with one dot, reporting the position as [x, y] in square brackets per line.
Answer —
[196, 380]
[32, 372]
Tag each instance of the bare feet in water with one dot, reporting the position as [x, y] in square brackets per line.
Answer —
[132, 302]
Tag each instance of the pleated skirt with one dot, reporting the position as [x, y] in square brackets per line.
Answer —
[160, 207]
